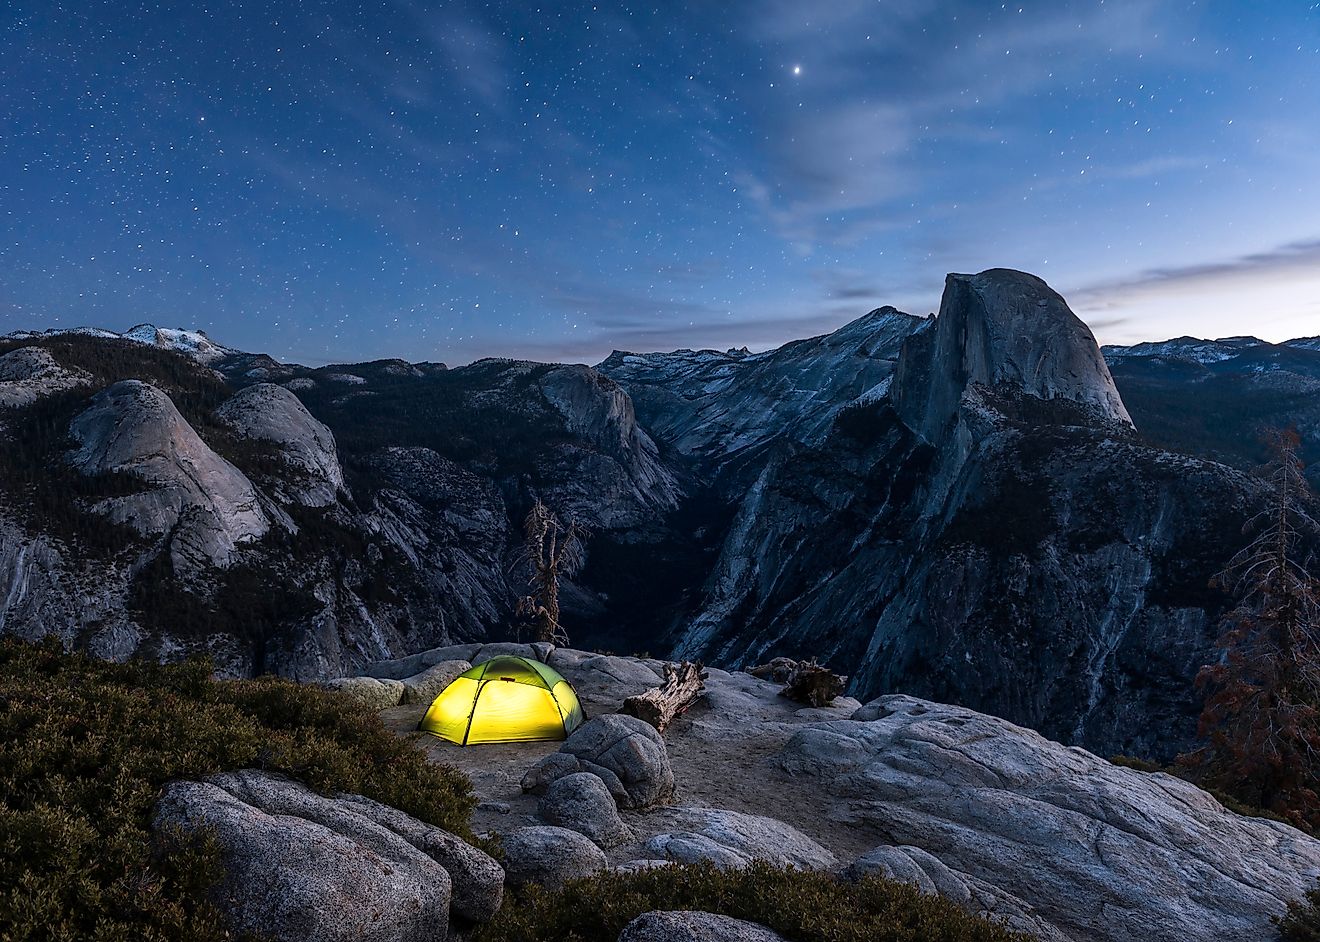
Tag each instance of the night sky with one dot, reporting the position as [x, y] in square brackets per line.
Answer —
[348, 181]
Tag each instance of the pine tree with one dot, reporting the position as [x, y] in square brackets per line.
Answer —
[1262, 710]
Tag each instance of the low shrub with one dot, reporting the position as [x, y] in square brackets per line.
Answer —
[85, 746]
[804, 906]
[1302, 921]
[1137, 763]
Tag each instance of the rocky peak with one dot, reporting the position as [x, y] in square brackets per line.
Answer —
[592, 405]
[720, 407]
[1188, 348]
[29, 373]
[207, 504]
[271, 413]
[193, 343]
[878, 325]
[1002, 328]
[596, 409]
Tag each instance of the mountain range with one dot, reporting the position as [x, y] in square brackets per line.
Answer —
[982, 506]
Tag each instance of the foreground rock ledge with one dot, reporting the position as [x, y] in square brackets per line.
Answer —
[300, 867]
[1038, 836]
[1100, 851]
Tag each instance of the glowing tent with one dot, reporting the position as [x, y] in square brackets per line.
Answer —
[505, 699]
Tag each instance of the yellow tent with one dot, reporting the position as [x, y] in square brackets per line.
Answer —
[505, 699]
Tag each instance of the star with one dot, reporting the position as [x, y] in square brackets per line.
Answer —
[797, 70]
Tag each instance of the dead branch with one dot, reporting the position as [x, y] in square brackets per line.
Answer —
[683, 685]
[777, 669]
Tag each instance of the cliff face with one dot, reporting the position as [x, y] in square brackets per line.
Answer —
[1002, 329]
[959, 507]
[723, 410]
[990, 532]
[150, 506]
[204, 504]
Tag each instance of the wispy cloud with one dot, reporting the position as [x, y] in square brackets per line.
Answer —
[847, 284]
[475, 56]
[1271, 293]
[852, 146]
[1294, 258]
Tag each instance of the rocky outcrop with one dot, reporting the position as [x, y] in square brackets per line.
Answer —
[548, 770]
[1099, 851]
[31, 373]
[989, 531]
[928, 873]
[626, 753]
[688, 926]
[732, 839]
[203, 502]
[271, 413]
[1001, 328]
[299, 867]
[1042, 838]
[476, 878]
[426, 686]
[374, 693]
[549, 856]
[581, 802]
[415, 664]
[604, 680]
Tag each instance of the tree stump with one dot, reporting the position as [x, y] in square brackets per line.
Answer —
[804, 681]
[812, 684]
[683, 684]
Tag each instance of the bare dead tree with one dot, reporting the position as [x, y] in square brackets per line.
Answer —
[1262, 709]
[551, 550]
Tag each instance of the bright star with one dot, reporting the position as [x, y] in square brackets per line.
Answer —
[797, 70]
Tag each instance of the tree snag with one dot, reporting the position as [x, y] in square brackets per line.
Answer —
[683, 685]
[1262, 707]
[551, 550]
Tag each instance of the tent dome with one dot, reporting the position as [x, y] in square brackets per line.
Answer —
[505, 699]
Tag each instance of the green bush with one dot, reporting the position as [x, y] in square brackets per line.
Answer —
[1302, 921]
[85, 746]
[1139, 764]
[804, 906]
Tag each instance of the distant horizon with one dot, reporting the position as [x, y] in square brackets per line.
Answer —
[317, 363]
